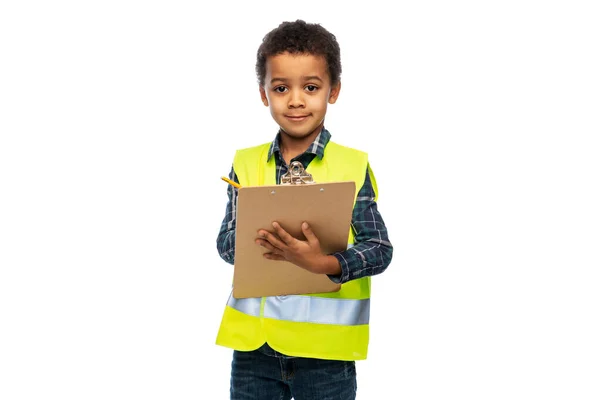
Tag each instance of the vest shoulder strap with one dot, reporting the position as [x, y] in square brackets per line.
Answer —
[248, 161]
[353, 163]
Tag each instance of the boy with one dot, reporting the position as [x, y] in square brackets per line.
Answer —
[303, 346]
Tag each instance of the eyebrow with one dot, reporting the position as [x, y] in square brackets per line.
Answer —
[304, 78]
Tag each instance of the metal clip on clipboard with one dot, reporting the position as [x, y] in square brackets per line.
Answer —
[296, 175]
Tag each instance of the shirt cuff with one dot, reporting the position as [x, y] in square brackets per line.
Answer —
[345, 275]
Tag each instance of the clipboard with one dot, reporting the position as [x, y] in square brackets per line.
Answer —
[327, 207]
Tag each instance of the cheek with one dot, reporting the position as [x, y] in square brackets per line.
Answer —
[319, 102]
[277, 103]
[276, 109]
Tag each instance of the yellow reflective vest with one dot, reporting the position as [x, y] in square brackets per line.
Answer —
[332, 326]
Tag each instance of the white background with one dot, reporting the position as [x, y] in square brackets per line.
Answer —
[481, 119]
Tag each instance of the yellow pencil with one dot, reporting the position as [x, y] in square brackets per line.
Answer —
[232, 183]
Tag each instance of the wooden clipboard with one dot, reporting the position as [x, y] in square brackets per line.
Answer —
[327, 207]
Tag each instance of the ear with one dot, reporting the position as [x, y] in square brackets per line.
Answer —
[263, 96]
[334, 93]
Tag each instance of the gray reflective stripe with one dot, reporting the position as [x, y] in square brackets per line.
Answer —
[319, 310]
[250, 306]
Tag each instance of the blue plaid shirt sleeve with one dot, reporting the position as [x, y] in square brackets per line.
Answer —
[372, 252]
[226, 237]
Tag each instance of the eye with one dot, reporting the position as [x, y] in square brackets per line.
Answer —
[311, 88]
[280, 89]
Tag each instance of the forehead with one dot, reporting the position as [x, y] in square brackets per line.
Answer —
[296, 66]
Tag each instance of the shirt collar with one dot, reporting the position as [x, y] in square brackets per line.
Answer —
[317, 147]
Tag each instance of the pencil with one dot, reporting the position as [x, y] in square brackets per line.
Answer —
[232, 183]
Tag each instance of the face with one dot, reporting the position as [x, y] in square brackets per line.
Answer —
[297, 90]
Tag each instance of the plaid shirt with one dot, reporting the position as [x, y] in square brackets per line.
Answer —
[372, 252]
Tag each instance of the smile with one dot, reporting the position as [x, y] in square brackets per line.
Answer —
[296, 117]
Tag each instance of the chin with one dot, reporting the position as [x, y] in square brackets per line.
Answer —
[297, 134]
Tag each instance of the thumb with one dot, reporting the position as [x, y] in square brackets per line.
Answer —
[308, 233]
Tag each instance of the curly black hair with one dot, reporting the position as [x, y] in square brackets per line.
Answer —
[299, 37]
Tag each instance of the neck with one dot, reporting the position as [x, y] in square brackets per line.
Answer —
[291, 146]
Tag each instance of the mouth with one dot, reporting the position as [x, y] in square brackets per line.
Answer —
[296, 117]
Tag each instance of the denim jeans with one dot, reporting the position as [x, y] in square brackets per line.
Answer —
[265, 374]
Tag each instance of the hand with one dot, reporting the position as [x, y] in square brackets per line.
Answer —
[306, 254]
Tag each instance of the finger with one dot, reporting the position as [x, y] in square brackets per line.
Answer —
[273, 256]
[282, 233]
[308, 233]
[274, 240]
[268, 246]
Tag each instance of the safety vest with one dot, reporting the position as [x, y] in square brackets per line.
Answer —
[332, 326]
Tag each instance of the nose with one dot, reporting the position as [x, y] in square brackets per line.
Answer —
[296, 99]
